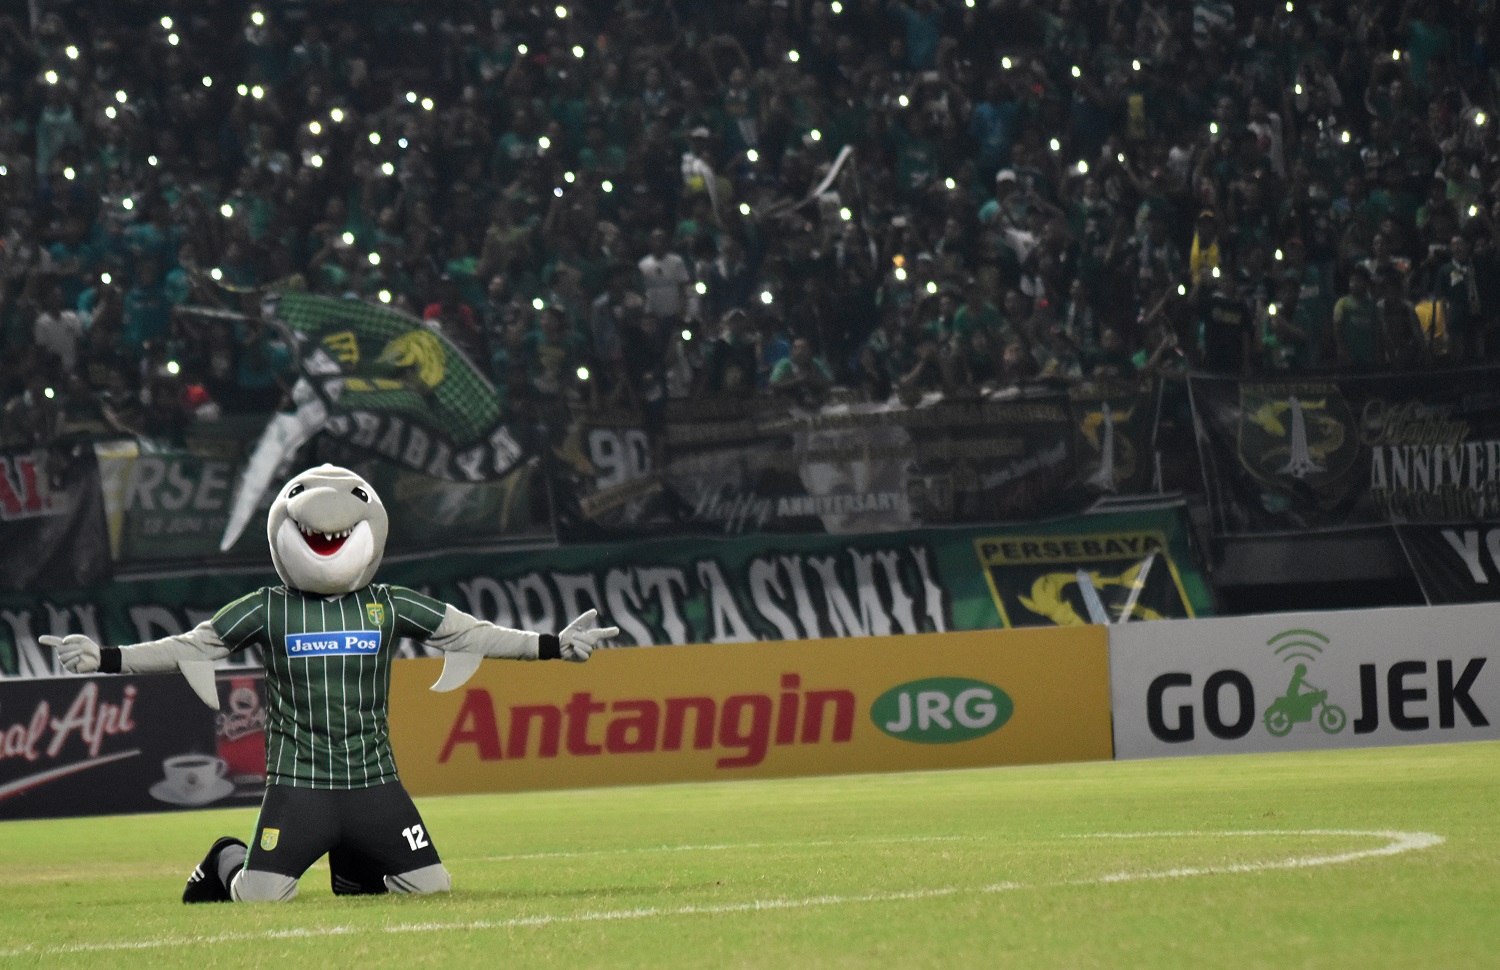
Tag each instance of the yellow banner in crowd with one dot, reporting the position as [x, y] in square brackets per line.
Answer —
[757, 710]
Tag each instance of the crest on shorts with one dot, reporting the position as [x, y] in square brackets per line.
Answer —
[376, 613]
[269, 838]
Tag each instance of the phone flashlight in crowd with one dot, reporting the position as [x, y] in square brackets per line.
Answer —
[583, 373]
[687, 335]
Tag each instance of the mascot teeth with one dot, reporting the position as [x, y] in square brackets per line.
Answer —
[324, 543]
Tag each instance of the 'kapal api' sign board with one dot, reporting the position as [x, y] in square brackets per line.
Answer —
[757, 710]
[1295, 681]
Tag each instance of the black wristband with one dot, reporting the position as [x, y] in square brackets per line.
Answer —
[109, 660]
[548, 647]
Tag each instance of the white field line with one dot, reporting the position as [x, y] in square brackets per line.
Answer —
[136, 872]
[1397, 843]
[725, 847]
[1400, 842]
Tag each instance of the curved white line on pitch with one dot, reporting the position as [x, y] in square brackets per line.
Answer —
[1398, 843]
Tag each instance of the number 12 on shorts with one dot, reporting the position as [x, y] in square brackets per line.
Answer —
[415, 837]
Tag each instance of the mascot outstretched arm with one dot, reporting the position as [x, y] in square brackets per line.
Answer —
[328, 635]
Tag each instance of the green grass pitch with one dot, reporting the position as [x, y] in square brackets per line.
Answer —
[1374, 858]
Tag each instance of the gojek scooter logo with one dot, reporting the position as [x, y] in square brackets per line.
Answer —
[1303, 701]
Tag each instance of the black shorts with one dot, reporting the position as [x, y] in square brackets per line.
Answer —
[378, 829]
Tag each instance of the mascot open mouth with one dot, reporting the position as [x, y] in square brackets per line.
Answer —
[324, 543]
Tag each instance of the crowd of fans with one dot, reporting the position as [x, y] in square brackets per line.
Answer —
[626, 203]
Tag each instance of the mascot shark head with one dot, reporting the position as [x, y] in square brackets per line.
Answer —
[327, 530]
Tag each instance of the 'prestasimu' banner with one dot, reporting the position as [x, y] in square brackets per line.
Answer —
[1133, 565]
[757, 465]
[1309, 452]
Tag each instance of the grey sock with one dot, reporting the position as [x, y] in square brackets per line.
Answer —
[231, 860]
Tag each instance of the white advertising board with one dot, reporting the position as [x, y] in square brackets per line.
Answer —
[1299, 681]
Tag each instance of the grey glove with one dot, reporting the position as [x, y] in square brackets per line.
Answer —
[579, 638]
[77, 653]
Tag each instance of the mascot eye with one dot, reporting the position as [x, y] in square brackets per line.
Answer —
[359, 493]
[295, 490]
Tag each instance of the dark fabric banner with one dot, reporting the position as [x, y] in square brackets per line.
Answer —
[113, 744]
[52, 526]
[1306, 453]
[167, 506]
[395, 389]
[758, 465]
[1454, 563]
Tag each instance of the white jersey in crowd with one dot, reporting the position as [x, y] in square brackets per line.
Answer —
[664, 281]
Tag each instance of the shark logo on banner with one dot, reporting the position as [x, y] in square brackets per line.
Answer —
[1115, 422]
[1296, 433]
[1066, 580]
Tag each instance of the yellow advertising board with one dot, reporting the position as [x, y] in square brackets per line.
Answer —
[757, 710]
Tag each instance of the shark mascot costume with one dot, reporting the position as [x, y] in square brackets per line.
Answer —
[328, 636]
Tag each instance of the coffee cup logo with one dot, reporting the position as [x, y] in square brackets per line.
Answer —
[192, 779]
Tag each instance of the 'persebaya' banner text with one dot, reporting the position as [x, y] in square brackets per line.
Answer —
[1328, 452]
[1133, 566]
[768, 710]
[396, 389]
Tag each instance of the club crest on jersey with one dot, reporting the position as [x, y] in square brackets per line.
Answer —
[375, 613]
[269, 838]
[333, 643]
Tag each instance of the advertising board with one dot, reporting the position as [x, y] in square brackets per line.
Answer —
[757, 710]
[1300, 681]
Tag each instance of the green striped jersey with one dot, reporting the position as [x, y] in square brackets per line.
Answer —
[328, 677]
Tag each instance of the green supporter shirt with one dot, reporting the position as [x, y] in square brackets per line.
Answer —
[328, 677]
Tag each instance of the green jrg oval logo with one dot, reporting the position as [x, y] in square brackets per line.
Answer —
[942, 710]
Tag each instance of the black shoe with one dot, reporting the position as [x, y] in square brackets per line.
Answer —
[204, 885]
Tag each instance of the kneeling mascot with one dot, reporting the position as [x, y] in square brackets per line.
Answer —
[328, 636]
